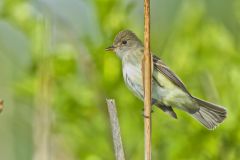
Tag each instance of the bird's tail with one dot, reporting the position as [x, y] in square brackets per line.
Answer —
[210, 115]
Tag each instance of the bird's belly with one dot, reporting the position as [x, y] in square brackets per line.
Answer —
[174, 97]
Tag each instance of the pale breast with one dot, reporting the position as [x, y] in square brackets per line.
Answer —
[133, 78]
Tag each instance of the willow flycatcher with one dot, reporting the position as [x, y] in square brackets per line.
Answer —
[168, 91]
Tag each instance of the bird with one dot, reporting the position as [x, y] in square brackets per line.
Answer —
[168, 91]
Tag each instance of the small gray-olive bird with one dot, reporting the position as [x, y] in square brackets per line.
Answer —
[168, 91]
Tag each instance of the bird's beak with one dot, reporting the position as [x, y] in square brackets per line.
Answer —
[110, 48]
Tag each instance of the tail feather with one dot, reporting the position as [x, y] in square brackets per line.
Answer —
[210, 115]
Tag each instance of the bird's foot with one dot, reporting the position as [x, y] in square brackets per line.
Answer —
[152, 111]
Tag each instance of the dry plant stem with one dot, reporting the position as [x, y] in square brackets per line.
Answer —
[118, 147]
[147, 79]
[1, 105]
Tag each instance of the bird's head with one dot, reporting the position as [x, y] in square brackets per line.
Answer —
[124, 42]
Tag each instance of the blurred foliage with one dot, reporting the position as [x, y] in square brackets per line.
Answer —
[65, 41]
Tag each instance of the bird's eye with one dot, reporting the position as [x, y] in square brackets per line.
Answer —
[124, 42]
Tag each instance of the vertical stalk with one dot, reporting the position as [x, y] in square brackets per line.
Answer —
[42, 113]
[147, 79]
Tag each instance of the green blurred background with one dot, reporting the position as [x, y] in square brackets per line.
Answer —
[55, 77]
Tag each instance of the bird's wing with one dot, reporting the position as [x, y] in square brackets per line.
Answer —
[161, 67]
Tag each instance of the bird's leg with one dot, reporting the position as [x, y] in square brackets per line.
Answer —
[152, 111]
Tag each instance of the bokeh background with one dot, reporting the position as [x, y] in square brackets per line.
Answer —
[55, 77]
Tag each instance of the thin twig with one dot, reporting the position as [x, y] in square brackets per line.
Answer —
[118, 147]
[147, 79]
